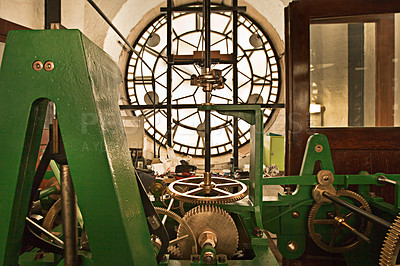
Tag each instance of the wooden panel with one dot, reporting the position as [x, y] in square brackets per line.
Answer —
[6, 26]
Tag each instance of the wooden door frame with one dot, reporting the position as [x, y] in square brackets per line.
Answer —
[297, 35]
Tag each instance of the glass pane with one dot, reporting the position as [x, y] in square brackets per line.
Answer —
[354, 72]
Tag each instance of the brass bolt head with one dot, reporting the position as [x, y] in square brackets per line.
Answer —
[37, 65]
[295, 214]
[48, 66]
[208, 257]
[319, 148]
[292, 246]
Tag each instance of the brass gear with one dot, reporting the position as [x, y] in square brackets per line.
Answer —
[166, 197]
[331, 216]
[191, 241]
[211, 218]
[174, 252]
[391, 245]
[195, 192]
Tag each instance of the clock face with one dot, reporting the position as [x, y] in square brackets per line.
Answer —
[146, 79]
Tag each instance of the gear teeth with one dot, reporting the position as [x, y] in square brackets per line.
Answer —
[391, 245]
[317, 238]
[217, 211]
[175, 252]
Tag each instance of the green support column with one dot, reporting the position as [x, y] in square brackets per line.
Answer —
[84, 86]
[253, 115]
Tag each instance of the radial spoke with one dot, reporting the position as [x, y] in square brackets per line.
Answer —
[178, 239]
[337, 209]
[349, 215]
[186, 184]
[221, 191]
[324, 221]
[227, 185]
[193, 191]
[334, 235]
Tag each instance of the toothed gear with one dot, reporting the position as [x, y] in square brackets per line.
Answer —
[391, 245]
[191, 240]
[211, 218]
[174, 253]
[341, 239]
[195, 192]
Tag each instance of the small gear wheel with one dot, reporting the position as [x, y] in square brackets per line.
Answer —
[391, 245]
[211, 218]
[334, 228]
[186, 232]
[174, 252]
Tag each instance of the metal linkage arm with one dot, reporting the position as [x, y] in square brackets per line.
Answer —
[345, 204]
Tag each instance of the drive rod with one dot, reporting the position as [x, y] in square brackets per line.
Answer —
[345, 204]
[68, 212]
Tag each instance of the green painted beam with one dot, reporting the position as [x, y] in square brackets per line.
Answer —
[84, 86]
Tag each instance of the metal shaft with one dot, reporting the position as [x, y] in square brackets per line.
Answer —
[345, 204]
[207, 32]
[235, 143]
[101, 13]
[207, 65]
[68, 211]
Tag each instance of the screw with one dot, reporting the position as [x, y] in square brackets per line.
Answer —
[37, 65]
[295, 214]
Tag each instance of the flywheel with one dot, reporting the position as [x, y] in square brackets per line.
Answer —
[209, 218]
[337, 229]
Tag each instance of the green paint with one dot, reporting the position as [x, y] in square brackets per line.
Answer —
[84, 86]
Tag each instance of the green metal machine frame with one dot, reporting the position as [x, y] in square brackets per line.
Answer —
[83, 82]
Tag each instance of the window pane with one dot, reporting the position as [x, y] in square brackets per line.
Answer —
[354, 72]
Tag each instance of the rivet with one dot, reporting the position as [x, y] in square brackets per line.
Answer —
[292, 246]
[48, 66]
[319, 148]
[37, 65]
[295, 214]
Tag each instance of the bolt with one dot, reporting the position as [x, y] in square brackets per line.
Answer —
[221, 258]
[195, 257]
[319, 148]
[37, 65]
[292, 246]
[258, 232]
[48, 66]
[208, 257]
[295, 214]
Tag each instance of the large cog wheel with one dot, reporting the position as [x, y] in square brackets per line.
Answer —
[211, 218]
[391, 245]
[334, 228]
[195, 191]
